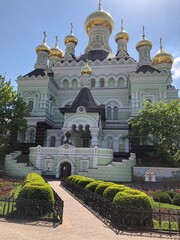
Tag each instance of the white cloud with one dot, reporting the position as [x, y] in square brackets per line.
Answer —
[176, 68]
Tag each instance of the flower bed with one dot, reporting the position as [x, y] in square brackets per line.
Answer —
[7, 185]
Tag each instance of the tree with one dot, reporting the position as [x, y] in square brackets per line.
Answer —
[13, 111]
[158, 125]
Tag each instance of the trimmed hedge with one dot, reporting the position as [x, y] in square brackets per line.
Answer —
[92, 186]
[176, 199]
[34, 189]
[84, 181]
[135, 199]
[112, 190]
[101, 187]
[162, 197]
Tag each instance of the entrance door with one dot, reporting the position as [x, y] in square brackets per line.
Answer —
[65, 170]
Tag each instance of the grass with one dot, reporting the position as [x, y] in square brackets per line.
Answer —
[164, 205]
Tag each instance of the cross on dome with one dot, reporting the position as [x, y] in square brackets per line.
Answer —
[122, 28]
[71, 32]
[143, 36]
[44, 40]
[56, 44]
[100, 3]
[161, 44]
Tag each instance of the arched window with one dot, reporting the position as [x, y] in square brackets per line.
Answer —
[65, 84]
[32, 136]
[121, 82]
[115, 113]
[101, 82]
[110, 142]
[31, 105]
[108, 113]
[74, 84]
[93, 83]
[53, 142]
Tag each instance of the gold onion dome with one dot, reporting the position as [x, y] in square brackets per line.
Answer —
[144, 42]
[162, 56]
[71, 37]
[123, 35]
[100, 18]
[43, 47]
[56, 52]
[86, 69]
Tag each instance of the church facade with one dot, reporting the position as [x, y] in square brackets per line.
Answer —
[80, 105]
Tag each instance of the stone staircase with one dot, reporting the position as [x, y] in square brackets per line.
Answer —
[16, 165]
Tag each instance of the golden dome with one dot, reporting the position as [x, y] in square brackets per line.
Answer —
[86, 69]
[144, 42]
[162, 56]
[101, 18]
[70, 38]
[43, 47]
[122, 35]
[56, 51]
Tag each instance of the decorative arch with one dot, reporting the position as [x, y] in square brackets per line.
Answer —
[60, 163]
[83, 119]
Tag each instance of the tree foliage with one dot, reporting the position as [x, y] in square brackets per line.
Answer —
[13, 111]
[159, 125]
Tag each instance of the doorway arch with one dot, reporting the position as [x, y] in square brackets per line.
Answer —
[64, 167]
[65, 170]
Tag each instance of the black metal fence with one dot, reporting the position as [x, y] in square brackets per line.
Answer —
[126, 218]
[33, 209]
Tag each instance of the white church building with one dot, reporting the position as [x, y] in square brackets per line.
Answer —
[80, 105]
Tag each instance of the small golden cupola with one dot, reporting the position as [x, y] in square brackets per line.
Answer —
[162, 57]
[71, 38]
[43, 47]
[122, 35]
[86, 70]
[56, 52]
[144, 42]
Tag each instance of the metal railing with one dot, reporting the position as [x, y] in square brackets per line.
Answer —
[33, 209]
[126, 218]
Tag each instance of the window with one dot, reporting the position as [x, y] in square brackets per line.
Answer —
[101, 83]
[115, 113]
[93, 83]
[31, 105]
[32, 136]
[108, 113]
[53, 142]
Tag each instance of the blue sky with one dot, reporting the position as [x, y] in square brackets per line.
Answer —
[22, 23]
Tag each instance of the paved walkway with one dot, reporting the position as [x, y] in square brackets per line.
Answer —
[78, 224]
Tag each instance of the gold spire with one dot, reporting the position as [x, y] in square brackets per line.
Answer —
[144, 42]
[56, 52]
[71, 37]
[162, 56]
[100, 8]
[43, 47]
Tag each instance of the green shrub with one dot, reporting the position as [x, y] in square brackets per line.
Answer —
[34, 195]
[135, 199]
[101, 187]
[92, 185]
[171, 194]
[112, 190]
[162, 197]
[176, 199]
[85, 181]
